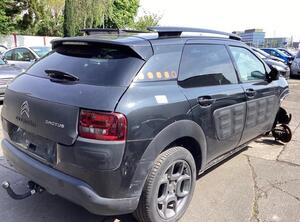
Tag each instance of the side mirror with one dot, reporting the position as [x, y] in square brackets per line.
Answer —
[273, 74]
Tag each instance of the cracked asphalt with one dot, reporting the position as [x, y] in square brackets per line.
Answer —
[259, 184]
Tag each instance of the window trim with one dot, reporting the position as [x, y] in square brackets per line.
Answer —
[236, 66]
[208, 43]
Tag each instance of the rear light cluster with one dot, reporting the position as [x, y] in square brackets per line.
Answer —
[102, 126]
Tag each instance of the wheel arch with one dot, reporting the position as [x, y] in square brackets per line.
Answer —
[177, 133]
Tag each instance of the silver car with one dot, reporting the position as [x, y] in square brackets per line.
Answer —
[295, 67]
[7, 73]
[25, 56]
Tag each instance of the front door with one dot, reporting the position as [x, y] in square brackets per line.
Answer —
[209, 81]
[262, 102]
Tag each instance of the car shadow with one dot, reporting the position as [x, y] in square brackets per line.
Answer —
[199, 176]
[269, 141]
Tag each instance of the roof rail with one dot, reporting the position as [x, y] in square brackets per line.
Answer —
[90, 31]
[169, 31]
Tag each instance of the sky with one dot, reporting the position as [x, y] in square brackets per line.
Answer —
[276, 18]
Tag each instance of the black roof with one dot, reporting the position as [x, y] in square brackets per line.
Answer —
[137, 40]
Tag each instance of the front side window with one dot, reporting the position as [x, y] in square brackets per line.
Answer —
[23, 55]
[206, 65]
[249, 66]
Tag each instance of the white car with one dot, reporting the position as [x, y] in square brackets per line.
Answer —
[25, 56]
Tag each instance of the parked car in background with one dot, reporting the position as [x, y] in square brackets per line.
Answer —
[282, 68]
[295, 67]
[277, 53]
[25, 56]
[2, 49]
[267, 55]
[287, 52]
[7, 73]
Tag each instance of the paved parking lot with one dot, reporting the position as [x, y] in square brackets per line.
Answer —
[261, 183]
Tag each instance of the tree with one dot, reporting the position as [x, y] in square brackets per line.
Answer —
[9, 11]
[52, 22]
[147, 20]
[5, 23]
[91, 14]
[123, 14]
[69, 15]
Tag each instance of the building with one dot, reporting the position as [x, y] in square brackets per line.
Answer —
[277, 42]
[253, 37]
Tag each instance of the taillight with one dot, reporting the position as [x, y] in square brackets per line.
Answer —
[102, 126]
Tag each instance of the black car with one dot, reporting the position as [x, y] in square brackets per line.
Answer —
[124, 124]
[282, 68]
[7, 73]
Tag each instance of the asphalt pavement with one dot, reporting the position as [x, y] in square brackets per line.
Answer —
[259, 184]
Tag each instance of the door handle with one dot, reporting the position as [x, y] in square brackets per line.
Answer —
[250, 93]
[205, 101]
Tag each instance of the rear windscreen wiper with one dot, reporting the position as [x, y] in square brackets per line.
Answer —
[63, 76]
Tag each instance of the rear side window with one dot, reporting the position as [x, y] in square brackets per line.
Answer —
[102, 65]
[163, 65]
[206, 65]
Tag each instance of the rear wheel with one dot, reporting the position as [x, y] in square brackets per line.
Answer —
[169, 187]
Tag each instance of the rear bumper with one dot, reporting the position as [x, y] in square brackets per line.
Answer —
[73, 189]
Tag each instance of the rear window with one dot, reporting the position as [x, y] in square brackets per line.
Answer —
[41, 51]
[93, 64]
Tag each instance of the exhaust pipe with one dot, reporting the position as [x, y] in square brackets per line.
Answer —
[33, 189]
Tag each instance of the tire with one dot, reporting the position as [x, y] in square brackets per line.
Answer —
[163, 188]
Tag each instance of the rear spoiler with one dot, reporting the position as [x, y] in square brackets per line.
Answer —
[139, 46]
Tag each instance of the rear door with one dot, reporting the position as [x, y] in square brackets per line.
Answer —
[262, 99]
[209, 81]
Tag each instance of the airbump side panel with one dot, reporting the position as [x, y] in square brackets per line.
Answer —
[260, 111]
[230, 120]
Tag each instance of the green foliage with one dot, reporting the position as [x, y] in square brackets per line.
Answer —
[147, 20]
[91, 14]
[123, 14]
[9, 9]
[68, 17]
[5, 24]
[42, 17]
